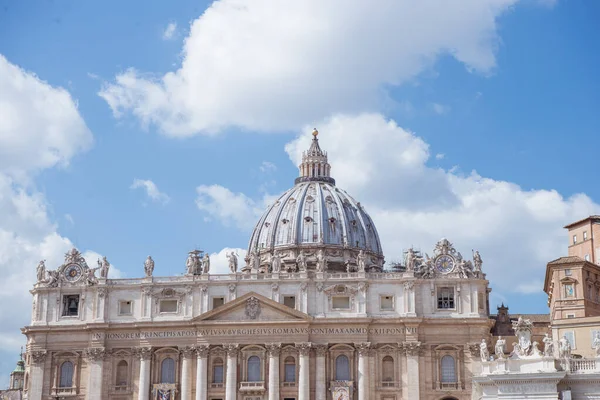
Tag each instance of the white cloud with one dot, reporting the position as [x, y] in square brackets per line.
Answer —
[267, 167]
[414, 204]
[439, 156]
[440, 109]
[269, 65]
[40, 126]
[170, 30]
[228, 207]
[151, 190]
[219, 264]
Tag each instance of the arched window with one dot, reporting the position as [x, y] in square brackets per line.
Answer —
[66, 375]
[253, 369]
[122, 373]
[342, 368]
[167, 371]
[289, 370]
[448, 370]
[387, 369]
[218, 370]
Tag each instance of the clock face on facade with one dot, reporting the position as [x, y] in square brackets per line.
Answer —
[73, 272]
[444, 264]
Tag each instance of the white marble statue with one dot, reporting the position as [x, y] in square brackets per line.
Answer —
[233, 262]
[275, 263]
[564, 347]
[149, 266]
[41, 271]
[361, 261]
[52, 278]
[321, 261]
[548, 346]
[190, 263]
[206, 263]
[410, 260]
[463, 269]
[104, 266]
[596, 344]
[499, 349]
[254, 261]
[90, 275]
[483, 351]
[535, 350]
[477, 262]
[301, 261]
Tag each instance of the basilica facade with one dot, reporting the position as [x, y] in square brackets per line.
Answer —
[313, 312]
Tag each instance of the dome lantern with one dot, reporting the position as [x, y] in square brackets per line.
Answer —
[314, 166]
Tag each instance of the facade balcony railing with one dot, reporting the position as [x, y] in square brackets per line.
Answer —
[582, 365]
[288, 384]
[258, 386]
[63, 391]
[448, 386]
[388, 384]
[217, 385]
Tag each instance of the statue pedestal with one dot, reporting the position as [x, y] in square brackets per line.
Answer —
[275, 275]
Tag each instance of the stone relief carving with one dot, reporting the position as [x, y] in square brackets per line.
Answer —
[252, 307]
[473, 349]
[523, 346]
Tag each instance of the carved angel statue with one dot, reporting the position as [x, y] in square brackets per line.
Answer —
[72, 256]
[301, 261]
[149, 266]
[477, 261]
[564, 347]
[535, 350]
[409, 260]
[427, 269]
[90, 275]
[463, 269]
[321, 261]
[275, 263]
[499, 349]
[52, 278]
[104, 266]
[548, 346]
[483, 351]
[41, 271]
[233, 262]
[206, 263]
[361, 261]
[596, 344]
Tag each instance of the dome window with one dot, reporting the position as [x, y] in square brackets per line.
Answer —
[329, 199]
[310, 199]
[267, 224]
[285, 221]
[353, 222]
[308, 219]
[332, 220]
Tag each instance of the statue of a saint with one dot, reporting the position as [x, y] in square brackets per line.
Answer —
[321, 261]
[564, 347]
[410, 259]
[483, 351]
[190, 263]
[149, 266]
[548, 346]
[499, 349]
[254, 262]
[361, 261]
[477, 262]
[535, 350]
[206, 263]
[90, 275]
[301, 261]
[275, 263]
[233, 262]
[596, 344]
[41, 271]
[104, 266]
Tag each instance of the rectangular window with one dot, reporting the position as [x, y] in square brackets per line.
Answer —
[290, 373]
[218, 374]
[570, 335]
[445, 298]
[289, 301]
[168, 306]
[386, 303]
[570, 315]
[218, 302]
[584, 235]
[70, 305]
[125, 308]
[574, 239]
[340, 302]
[567, 272]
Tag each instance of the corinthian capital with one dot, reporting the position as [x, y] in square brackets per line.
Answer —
[95, 353]
[274, 349]
[321, 349]
[38, 356]
[202, 350]
[232, 349]
[145, 353]
[187, 351]
[303, 348]
[411, 348]
[363, 348]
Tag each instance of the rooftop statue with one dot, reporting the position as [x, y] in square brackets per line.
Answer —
[149, 266]
[233, 262]
[41, 271]
[104, 266]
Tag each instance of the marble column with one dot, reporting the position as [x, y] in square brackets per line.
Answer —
[145, 354]
[36, 378]
[231, 381]
[95, 360]
[304, 378]
[274, 350]
[201, 372]
[320, 374]
[363, 371]
[186, 369]
[412, 350]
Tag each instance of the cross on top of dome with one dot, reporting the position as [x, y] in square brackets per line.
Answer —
[314, 166]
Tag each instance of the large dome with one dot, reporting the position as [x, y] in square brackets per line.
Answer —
[316, 217]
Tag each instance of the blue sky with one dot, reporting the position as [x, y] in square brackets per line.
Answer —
[505, 88]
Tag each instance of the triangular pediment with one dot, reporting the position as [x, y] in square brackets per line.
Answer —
[253, 307]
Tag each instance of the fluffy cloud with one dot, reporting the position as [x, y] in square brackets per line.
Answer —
[151, 190]
[227, 206]
[247, 63]
[40, 128]
[414, 204]
[169, 32]
[219, 264]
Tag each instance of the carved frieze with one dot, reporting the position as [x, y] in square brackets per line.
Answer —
[252, 307]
